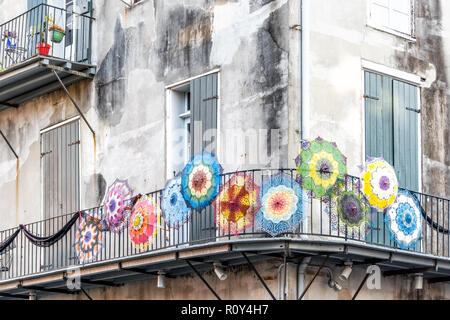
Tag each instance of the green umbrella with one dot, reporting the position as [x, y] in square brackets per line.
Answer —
[320, 166]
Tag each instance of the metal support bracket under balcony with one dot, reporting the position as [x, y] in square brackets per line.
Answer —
[258, 275]
[73, 101]
[203, 279]
[9, 144]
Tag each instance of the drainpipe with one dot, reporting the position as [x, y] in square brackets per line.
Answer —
[301, 268]
[304, 53]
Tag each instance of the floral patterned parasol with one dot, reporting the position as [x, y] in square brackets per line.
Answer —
[281, 205]
[404, 220]
[320, 165]
[237, 204]
[173, 205]
[201, 180]
[89, 239]
[379, 183]
[352, 209]
[117, 205]
[339, 227]
[144, 222]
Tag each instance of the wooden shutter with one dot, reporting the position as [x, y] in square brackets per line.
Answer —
[204, 98]
[379, 121]
[406, 139]
[379, 137]
[392, 133]
[60, 170]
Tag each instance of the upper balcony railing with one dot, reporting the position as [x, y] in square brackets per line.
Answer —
[45, 31]
[320, 221]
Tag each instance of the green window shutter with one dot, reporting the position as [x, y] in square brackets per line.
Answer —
[379, 121]
[392, 133]
[406, 128]
[204, 98]
[379, 137]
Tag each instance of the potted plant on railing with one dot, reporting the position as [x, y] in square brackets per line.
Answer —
[42, 47]
[56, 33]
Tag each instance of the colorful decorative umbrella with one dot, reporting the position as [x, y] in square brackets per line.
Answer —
[339, 227]
[201, 180]
[237, 204]
[173, 205]
[281, 205]
[352, 209]
[379, 183]
[117, 205]
[89, 238]
[404, 220]
[144, 222]
[320, 165]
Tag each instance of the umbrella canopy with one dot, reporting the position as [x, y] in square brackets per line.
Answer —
[352, 209]
[89, 239]
[237, 204]
[117, 205]
[281, 205]
[173, 205]
[338, 226]
[404, 220]
[320, 165]
[201, 180]
[379, 184]
[144, 222]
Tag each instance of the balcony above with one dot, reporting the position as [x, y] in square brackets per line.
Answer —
[37, 43]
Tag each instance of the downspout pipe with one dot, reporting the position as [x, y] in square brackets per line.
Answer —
[304, 65]
[301, 268]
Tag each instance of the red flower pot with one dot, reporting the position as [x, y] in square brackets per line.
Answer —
[43, 48]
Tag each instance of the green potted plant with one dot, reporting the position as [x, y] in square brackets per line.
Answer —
[56, 33]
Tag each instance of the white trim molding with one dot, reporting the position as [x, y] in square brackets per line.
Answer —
[395, 73]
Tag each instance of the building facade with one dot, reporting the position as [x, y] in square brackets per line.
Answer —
[133, 90]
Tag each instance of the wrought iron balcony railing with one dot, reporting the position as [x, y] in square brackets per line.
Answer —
[45, 31]
[25, 259]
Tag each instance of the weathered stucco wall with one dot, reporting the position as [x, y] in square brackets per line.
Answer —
[242, 284]
[138, 53]
[337, 45]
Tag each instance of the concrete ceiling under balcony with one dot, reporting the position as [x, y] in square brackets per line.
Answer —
[34, 78]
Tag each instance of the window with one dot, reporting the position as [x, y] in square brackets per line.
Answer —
[180, 128]
[60, 168]
[192, 127]
[392, 132]
[392, 16]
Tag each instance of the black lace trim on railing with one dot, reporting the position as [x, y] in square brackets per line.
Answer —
[7, 243]
[45, 242]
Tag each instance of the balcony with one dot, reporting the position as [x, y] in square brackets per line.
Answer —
[199, 243]
[38, 42]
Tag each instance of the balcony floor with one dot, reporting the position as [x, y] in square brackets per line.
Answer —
[34, 77]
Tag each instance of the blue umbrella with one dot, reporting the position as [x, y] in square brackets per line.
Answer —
[404, 220]
[173, 205]
[282, 201]
[201, 180]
